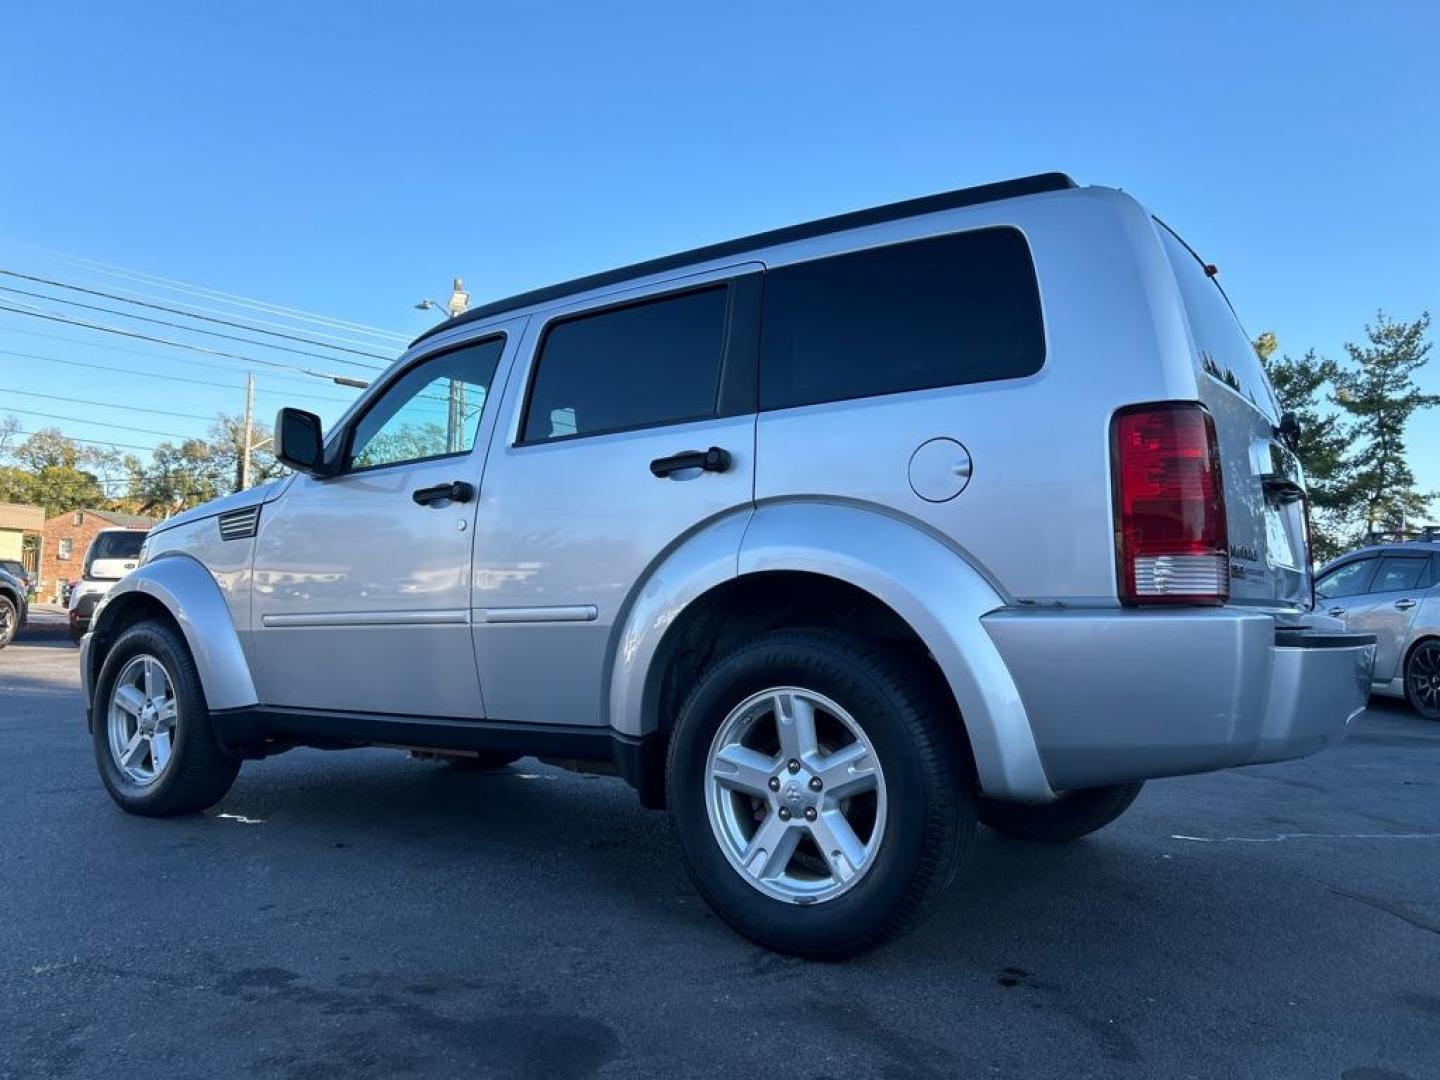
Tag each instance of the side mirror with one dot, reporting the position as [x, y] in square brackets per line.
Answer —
[298, 441]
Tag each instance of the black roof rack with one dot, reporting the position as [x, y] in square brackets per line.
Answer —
[1421, 534]
[928, 204]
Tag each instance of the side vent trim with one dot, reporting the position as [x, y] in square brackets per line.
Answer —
[239, 524]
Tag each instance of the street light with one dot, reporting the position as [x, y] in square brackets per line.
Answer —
[459, 301]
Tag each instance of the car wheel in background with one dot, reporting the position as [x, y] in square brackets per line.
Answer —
[9, 621]
[1422, 678]
[821, 792]
[154, 743]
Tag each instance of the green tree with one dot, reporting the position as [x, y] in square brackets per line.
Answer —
[178, 477]
[1302, 385]
[227, 445]
[52, 471]
[1378, 390]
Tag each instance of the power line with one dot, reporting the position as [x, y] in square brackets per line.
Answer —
[99, 423]
[182, 311]
[91, 442]
[207, 364]
[194, 329]
[40, 313]
[234, 299]
[130, 373]
[192, 314]
[258, 321]
[103, 404]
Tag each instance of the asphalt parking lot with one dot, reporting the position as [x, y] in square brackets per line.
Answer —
[362, 914]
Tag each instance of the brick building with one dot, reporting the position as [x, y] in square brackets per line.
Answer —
[21, 527]
[67, 538]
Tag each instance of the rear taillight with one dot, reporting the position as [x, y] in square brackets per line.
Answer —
[1170, 536]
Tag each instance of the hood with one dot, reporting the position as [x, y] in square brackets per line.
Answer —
[255, 496]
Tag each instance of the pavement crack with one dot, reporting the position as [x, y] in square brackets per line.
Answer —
[1390, 908]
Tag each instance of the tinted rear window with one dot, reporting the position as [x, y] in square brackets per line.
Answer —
[943, 311]
[117, 545]
[1401, 572]
[1226, 352]
[631, 367]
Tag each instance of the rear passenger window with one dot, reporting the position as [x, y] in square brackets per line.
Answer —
[943, 311]
[651, 363]
[1400, 573]
[1347, 580]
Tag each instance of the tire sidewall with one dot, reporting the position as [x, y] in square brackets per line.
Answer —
[909, 801]
[190, 710]
[1412, 698]
[12, 624]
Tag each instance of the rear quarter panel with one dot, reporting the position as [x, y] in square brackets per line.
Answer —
[1036, 516]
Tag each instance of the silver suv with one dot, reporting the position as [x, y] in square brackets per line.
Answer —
[1393, 592]
[831, 540]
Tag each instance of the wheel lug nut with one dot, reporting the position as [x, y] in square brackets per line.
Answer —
[774, 783]
[810, 814]
[793, 765]
[815, 783]
[784, 813]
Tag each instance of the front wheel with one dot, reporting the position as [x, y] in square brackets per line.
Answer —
[9, 621]
[1422, 679]
[820, 791]
[154, 744]
[1071, 816]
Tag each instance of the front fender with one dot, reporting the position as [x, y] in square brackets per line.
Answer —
[189, 593]
[939, 593]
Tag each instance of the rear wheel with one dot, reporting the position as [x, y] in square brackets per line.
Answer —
[9, 621]
[820, 792]
[1422, 679]
[1071, 816]
[154, 744]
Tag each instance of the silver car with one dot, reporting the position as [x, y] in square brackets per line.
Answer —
[833, 541]
[1393, 592]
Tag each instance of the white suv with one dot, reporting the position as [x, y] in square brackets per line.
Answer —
[832, 540]
[111, 555]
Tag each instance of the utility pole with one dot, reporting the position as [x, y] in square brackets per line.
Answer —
[455, 430]
[459, 301]
[249, 429]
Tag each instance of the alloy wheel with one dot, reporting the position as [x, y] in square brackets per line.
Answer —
[141, 719]
[1422, 677]
[795, 795]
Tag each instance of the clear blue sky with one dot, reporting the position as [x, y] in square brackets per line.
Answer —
[349, 158]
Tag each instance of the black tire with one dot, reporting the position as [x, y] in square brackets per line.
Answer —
[930, 817]
[487, 761]
[9, 620]
[1422, 669]
[199, 772]
[76, 633]
[1073, 815]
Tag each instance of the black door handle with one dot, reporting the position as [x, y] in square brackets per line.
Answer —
[456, 491]
[712, 460]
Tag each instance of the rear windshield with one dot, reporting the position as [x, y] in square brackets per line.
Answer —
[117, 545]
[1226, 353]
